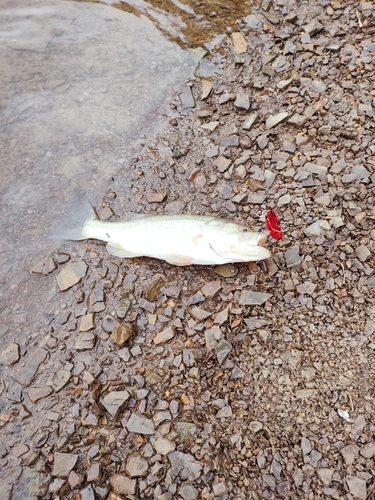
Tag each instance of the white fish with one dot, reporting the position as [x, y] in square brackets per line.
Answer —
[178, 239]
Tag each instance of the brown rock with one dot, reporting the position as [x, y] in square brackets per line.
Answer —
[122, 485]
[164, 336]
[210, 289]
[87, 322]
[36, 393]
[71, 274]
[120, 334]
[136, 466]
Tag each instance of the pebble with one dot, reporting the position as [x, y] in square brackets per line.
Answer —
[239, 42]
[87, 322]
[36, 393]
[164, 336]
[164, 446]
[349, 453]
[325, 475]
[357, 487]
[61, 379]
[10, 355]
[71, 274]
[63, 463]
[26, 374]
[85, 341]
[122, 485]
[250, 298]
[209, 290]
[250, 120]
[120, 334]
[114, 402]
[223, 348]
[292, 257]
[188, 492]
[136, 466]
[242, 101]
[284, 200]
[140, 425]
[187, 98]
[362, 253]
[274, 120]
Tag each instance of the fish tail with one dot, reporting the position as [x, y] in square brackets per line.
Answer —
[76, 216]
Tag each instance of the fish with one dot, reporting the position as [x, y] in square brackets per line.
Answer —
[181, 240]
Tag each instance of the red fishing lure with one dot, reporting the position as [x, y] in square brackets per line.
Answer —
[273, 225]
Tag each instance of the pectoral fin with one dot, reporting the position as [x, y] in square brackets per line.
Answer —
[120, 252]
[178, 260]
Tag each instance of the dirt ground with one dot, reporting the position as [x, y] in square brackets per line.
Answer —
[248, 381]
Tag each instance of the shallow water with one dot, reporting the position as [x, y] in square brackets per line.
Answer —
[82, 84]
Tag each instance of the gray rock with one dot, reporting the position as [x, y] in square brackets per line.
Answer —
[362, 253]
[250, 298]
[262, 141]
[164, 446]
[298, 120]
[250, 121]
[223, 348]
[63, 463]
[71, 274]
[136, 466]
[122, 485]
[61, 378]
[225, 412]
[114, 401]
[36, 393]
[140, 425]
[325, 475]
[274, 120]
[292, 257]
[257, 198]
[305, 446]
[210, 289]
[360, 172]
[368, 450]
[220, 489]
[26, 374]
[85, 341]
[10, 354]
[242, 101]
[188, 492]
[187, 98]
[184, 465]
[164, 336]
[349, 453]
[357, 487]
[284, 200]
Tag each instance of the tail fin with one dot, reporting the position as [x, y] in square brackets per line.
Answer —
[71, 226]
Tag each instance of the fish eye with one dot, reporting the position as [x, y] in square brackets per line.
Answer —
[244, 229]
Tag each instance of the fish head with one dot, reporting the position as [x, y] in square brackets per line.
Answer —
[235, 242]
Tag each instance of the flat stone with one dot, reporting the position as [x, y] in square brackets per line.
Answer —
[120, 333]
[182, 464]
[223, 348]
[284, 200]
[360, 172]
[85, 341]
[114, 401]
[45, 267]
[298, 120]
[357, 487]
[122, 485]
[257, 198]
[250, 121]
[71, 274]
[199, 314]
[96, 300]
[93, 474]
[211, 126]
[63, 463]
[188, 492]
[164, 336]
[250, 298]
[157, 196]
[87, 322]
[222, 163]
[315, 169]
[140, 425]
[239, 42]
[362, 253]
[325, 475]
[262, 141]
[210, 289]
[349, 453]
[225, 412]
[274, 120]
[220, 489]
[20, 449]
[36, 393]
[187, 98]
[75, 479]
[292, 257]
[136, 466]
[26, 374]
[164, 446]
[61, 378]
[306, 287]
[368, 450]
[348, 178]
[242, 101]
[10, 354]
